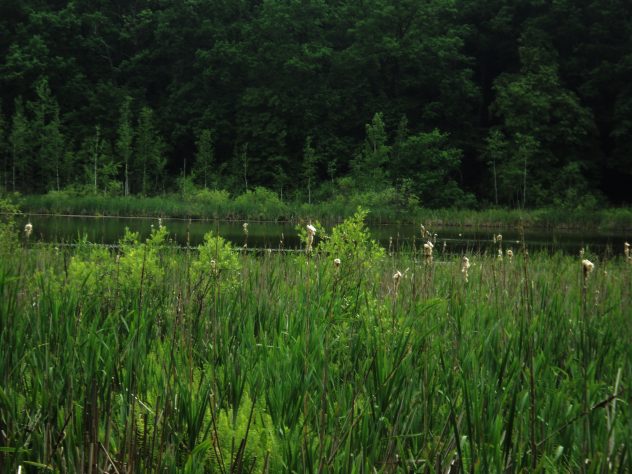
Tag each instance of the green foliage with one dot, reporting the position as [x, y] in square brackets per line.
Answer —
[216, 202]
[149, 152]
[252, 426]
[217, 262]
[143, 264]
[351, 242]
[369, 167]
[4, 152]
[91, 269]
[137, 267]
[313, 367]
[261, 204]
[48, 140]
[124, 141]
[204, 157]
[277, 76]
[8, 236]
[544, 122]
[432, 165]
[21, 148]
[310, 163]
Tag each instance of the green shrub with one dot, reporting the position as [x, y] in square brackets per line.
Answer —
[216, 261]
[261, 204]
[8, 213]
[214, 202]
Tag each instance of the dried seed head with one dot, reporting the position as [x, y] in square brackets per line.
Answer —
[336, 262]
[311, 229]
[588, 267]
[626, 250]
[499, 238]
[397, 277]
[428, 246]
[245, 227]
[160, 222]
[28, 229]
[510, 254]
[581, 253]
[465, 265]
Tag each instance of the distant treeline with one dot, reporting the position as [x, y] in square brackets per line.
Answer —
[443, 103]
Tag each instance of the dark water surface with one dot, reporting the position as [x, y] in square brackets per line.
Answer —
[108, 230]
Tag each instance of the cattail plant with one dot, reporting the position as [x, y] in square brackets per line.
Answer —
[311, 232]
[587, 268]
[397, 277]
[499, 240]
[428, 246]
[28, 230]
[465, 266]
[245, 228]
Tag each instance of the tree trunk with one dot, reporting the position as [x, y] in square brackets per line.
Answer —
[524, 183]
[96, 157]
[495, 183]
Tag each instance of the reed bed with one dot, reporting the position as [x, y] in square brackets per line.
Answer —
[265, 205]
[347, 358]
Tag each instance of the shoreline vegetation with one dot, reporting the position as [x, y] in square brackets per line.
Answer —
[262, 204]
[344, 358]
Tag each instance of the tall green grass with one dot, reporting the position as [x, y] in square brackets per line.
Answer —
[152, 359]
[262, 204]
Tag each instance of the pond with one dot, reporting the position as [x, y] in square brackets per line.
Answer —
[264, 235]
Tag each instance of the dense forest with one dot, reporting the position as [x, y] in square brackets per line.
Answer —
[515, 103]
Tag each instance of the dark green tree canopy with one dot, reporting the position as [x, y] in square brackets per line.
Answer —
[499, 97]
